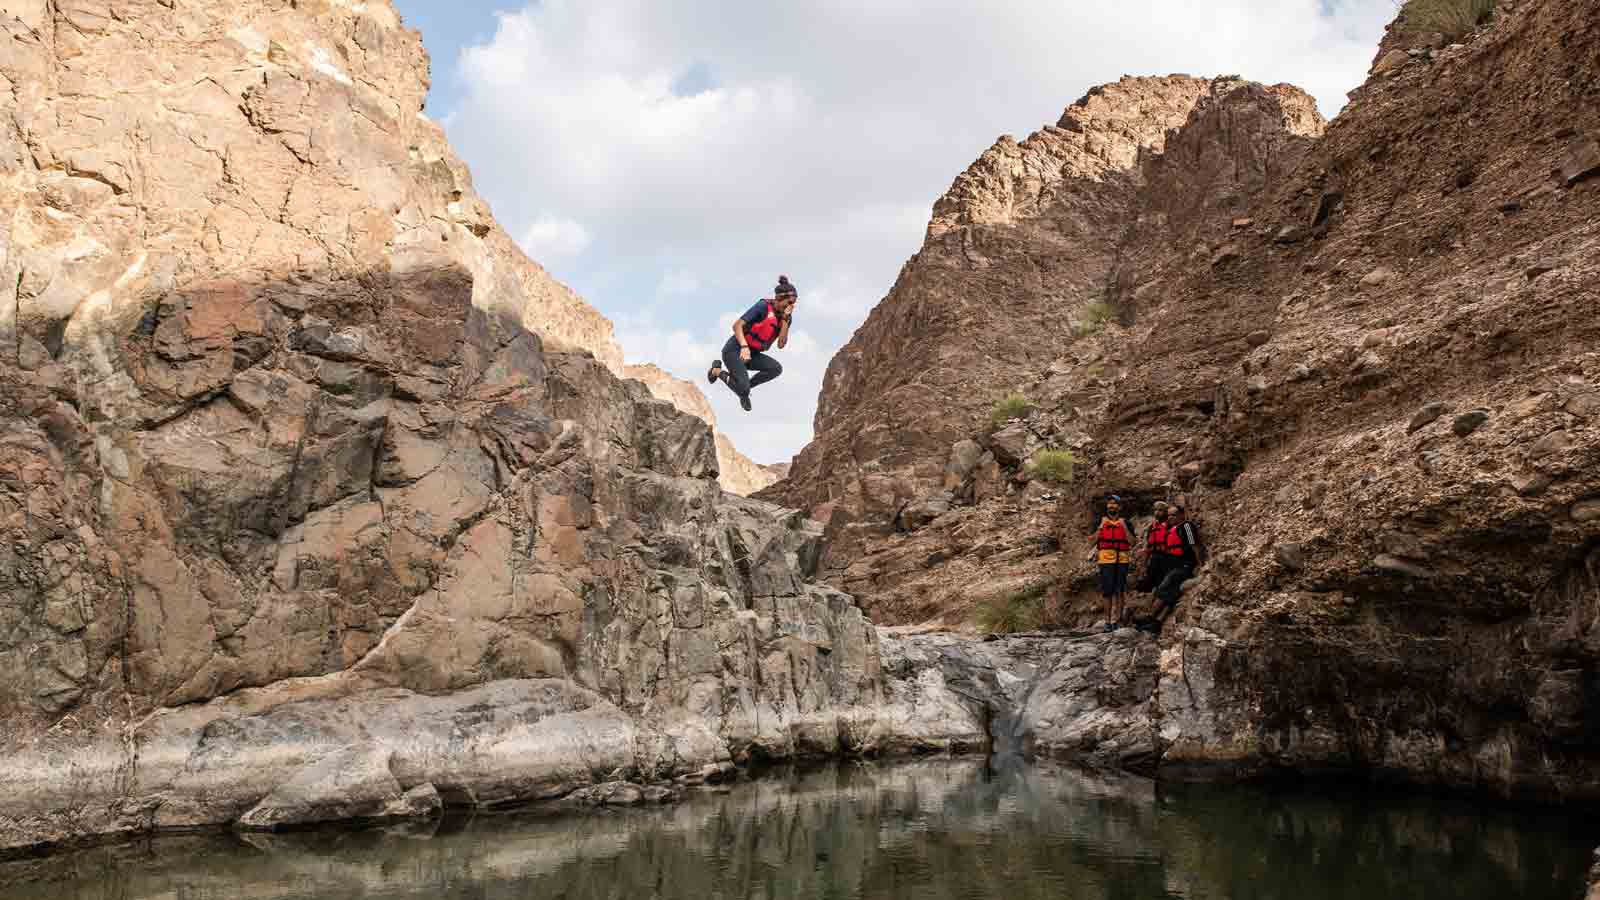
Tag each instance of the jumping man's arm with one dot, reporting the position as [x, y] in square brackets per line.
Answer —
[783, 333]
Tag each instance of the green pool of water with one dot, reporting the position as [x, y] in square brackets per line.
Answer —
[935, 830]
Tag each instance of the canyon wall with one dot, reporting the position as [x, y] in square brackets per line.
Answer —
[1367, 359]
[319, 499]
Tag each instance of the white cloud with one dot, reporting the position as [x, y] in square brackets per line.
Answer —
[678, 282]
[550, 238]
[706, 147]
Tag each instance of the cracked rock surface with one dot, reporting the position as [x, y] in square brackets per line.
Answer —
[318, 498]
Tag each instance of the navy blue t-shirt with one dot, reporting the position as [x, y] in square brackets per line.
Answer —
[756, 314]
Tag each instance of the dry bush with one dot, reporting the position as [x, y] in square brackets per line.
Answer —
[1019, 611]
[1095, 318]
[1053, 465]
[1452, 18]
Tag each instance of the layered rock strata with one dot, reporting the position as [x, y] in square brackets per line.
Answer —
[1392, 434]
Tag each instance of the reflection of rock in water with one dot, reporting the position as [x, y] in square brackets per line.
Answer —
[937, 828]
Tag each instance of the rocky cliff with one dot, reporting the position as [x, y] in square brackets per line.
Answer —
[321, 500]
[1368, 359]
[737, 472]
[1384, 396]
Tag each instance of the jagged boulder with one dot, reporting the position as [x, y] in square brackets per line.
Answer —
[736, 472]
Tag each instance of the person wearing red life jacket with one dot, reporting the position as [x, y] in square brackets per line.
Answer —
[762, 327]
[1155, 551]
[1113, 550]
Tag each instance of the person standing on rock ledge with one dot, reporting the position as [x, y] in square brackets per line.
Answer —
[754, 333]
[1155, 551]
[1113, 549]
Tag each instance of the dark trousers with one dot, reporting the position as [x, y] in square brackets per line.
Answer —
[1172, 585]
[1155, 569]
[739, 377]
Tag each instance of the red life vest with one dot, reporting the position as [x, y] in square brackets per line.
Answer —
[1156, 542]
[762, 334]
[1115, 543]
[1174, 542]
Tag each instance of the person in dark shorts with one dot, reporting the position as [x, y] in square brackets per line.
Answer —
[1113, 550]
[1154, 552]
[762, 327]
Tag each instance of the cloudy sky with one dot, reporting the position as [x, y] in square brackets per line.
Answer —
[670, 159]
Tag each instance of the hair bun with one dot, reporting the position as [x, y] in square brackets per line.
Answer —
[783, 279]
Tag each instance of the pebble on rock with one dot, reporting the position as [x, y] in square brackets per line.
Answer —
[1426, 416]
[1290, 556]
[1397, 566]
[1549, 445]
[1377, 276]
[1468, 422]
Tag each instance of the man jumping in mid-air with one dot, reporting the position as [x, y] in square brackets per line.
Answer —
[761, 327]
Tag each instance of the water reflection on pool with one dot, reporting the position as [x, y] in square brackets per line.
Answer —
[931, 829]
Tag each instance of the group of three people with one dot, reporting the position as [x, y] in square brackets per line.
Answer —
[1172, 552]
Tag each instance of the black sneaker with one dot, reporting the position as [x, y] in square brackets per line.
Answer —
[745, 402]
[715, 372]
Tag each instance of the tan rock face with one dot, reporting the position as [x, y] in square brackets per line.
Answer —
[286, 419]
[736, 472]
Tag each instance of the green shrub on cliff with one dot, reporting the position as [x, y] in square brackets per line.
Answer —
[1019, 611]
[1452, 18]
[1053, 465]
[1095, 317]
[1014, 406]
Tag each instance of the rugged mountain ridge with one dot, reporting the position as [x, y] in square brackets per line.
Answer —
[1369, 365]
